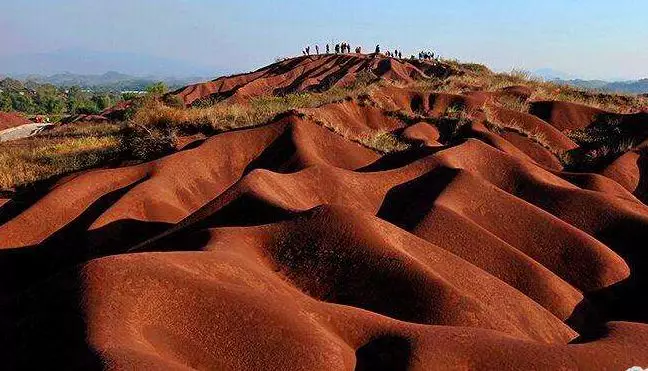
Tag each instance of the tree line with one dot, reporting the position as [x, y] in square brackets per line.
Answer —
[47, 99]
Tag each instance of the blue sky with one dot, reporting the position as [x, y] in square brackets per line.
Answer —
[587, 38]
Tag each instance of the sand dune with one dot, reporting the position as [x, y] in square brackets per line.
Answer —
[289, 246]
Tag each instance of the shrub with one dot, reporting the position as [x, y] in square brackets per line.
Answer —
[157, 89]
[146, 143]
[384, 141]
[514, 103]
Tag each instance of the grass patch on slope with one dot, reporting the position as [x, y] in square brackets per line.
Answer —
[38, 159]
[151, 133]
[224, 116]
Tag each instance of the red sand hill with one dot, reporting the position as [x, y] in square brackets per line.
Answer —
[310, 73]
[288, 246]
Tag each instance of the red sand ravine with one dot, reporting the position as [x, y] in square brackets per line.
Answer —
[288, 246]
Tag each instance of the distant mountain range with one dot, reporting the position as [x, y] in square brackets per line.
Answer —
[550, 74]
[630, 86]
[109, 81]
[87, 62]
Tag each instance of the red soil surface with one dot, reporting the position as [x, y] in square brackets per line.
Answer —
[10, 119]
[289, 246]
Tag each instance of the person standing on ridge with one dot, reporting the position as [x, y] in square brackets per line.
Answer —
[400, 55]
[378, 49]
[317, 49]
[337, 48]
[328, 49]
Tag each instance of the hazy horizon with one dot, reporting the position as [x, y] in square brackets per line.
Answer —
[585, 39]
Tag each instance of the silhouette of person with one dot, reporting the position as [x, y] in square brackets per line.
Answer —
[378, 49]
[400, 55]
[317, 49]
[328, 49]
[337, 48]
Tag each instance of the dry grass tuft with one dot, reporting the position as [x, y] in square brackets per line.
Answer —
[77, 147]
[224, 116]
[514, 103]
[37, 159]
[495, 125]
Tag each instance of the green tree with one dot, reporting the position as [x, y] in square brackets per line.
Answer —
[49, 100]
[22, 102]
[129, 96]
[5, 102]
[80, 102]
[157, 89]
[102, 101]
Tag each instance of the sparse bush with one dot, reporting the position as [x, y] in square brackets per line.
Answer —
[455, 109]
[363, 79]
[452, 128]
[600, 143]
[384, 141]
[157, 89]
[514, 103]
[595, 159]
[146, 143]
[475, 67]
[173, 101]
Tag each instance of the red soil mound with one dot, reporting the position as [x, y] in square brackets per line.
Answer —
[565, 115]
[423, 132]
[9, 120]
[291, 246]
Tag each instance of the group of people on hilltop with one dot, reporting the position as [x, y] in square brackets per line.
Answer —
[394, 54]
[426, 56]
[341, 48]
[344, 47]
